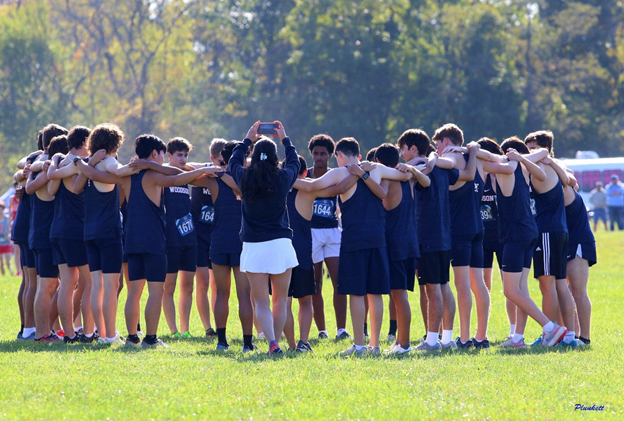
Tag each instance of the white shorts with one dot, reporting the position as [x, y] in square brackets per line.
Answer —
[273, 257]
[325, 243]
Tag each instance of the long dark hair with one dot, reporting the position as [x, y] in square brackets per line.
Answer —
[260, 177]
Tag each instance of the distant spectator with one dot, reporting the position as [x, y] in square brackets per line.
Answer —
[598, 198]
[6, 248]
[615, 202]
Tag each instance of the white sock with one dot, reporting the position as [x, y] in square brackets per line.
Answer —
[360, 347]
[111, 340]
[548, 327]
[28, 331]
[338, 331]
[88, 335]
[447, 336]
[77, 329]
[512, 330]
[517, 337]
[569, 337]
[432, 338]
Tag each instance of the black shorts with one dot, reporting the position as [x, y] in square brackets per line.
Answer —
[364, 272]
[301, 283]
[225, 259]
[434, 267]
[491, 248]
[70, 252]
[181, 258]
[402, 274]
[585, 251]
[203, 251]
[45, 264]
[467, 250]
[105, 254]
[27, 257]
[550, 256]
[149, 266]
[517, 255]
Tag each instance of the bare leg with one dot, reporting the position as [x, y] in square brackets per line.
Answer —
[464, 301]
[358, 317]
[133, 305]
[69, 278]
[20, 299]
[550, 300]
[245, 309]
[223, 282]
[423, 305]
[289, 327]
[46, 287]
[202, 275]
[375, 303]
[403, 316]
[516, 289]
[305, 318]
[435, 305]
[449, 306]
[317, 300]
[259, 283]
[97, 297]
[168, 304]
[88, 323]
[109, 303]
[578, 274]
[482, 298]
[186, 299]
[29, 296]
[340, 300]
[17, 258]
[153, 307]
[566, 302]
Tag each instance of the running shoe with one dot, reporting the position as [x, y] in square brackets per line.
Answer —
[19, 335]
[177, 335]
[83, 338]
[397, 349]
[303, 347]
[158, 343]
[574, 344]
[424, 346]
[391, 338]
[275, 350]
[249, 349]
[509, 343]
[222, 346]
[462, 345]
[343, 335]
[118, 340]
[484, 344]
[48, 338]
[353, 351]
[555, 336]
[133, 344]
[449, 345]
[374, 350]
[323, 334]
[30, 337]
[60, 333]
[187, 335]
[211, 333]
[69, 340]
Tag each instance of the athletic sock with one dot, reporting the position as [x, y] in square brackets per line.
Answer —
[77, 329]
[548, 327]
[88, 335]
[138, 327]
[512, 330]
[586, 341]
[134, 338]
[247, 341]
[150, 339]
[28, 331]
[326, 332]
[569, 337]
[22, 329]
[111, 340]
[517, 337]
[432, 338]
[393, 327]
[338, 331]
[447, 336]
[222, 339]
[365, 329]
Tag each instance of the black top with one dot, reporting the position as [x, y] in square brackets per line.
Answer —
[363, 220]
[267, 218]
[69, 211]
[515, 220]
[466, 207]
[19, 231]
[145, 229]
[228, 216]
[325, 212]
[180, 229]
[203, 212]
[401, 235]
[302, 233]
[102, 217]
[41, 216]
[489, 212]
[550, 209]
[578, 222]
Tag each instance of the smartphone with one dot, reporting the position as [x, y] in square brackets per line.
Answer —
[268, 128]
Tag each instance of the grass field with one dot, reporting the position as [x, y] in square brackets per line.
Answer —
[191, 380]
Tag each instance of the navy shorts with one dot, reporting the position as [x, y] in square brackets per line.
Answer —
[517, 255]
[434, 267]
[402, 274]
[364, 272]
[181, 258]
[301, 283]
[203, 250]
[148, 266]
[27, 257]
[550, 256]
[467, 250]
[491, 248]
[225, 259]
[44, 263]
[585, 251]
[105, 254]
[70, 252]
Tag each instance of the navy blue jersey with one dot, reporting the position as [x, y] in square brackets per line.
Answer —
[203, 212]
[145, 229]
[515, 220]
[302, 233]
[401, 235]
[180, 227]
[550, 209]
[434, 221]
[578, 222]
[363, 220]
[325, 212]
[41, 216]
[227, 221]
[19, 231]
[489, 212]
[123, 212]
[69, 212]
[102, 218]
[466, 207]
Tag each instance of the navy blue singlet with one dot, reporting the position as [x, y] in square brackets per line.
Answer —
[202, 210]
[302, 232]
[550, 209]
[69, 213]
[145, 230]
[578, 222]
[19, 231]
[227, 221]
[324, 214]
[180, 228]
[489, 212]
[401, 233]
[515, 220]
[466, 207]
[363, 220]
[101, 219]
[41, 216]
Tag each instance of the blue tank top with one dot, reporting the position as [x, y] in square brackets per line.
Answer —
[489, 212]
[202, 210]
[101, 219]
[515, 220]
[41, 216]
[550, 209]
[302, 232]
[227, 221]
[145, 230]
[69, 210]
[180, 227]
[578, 222]
[401, 236]
[363, 220]
[325, 212]
[466, 207]
[19, 231]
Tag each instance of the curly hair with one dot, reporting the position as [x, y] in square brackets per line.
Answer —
[322, 140]
[105, 136]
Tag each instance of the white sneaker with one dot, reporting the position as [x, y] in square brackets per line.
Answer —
[117, 341]
[398, 350]
[391, 338]
[353, 351]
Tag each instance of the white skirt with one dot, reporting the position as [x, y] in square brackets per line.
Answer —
[273, 257]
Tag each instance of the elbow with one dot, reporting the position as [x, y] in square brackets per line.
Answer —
[30, 189]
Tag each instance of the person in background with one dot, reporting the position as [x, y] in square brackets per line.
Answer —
[598, 198]
[6, 249]
[615, 202]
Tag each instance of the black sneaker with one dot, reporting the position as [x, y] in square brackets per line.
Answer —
[462, 345]
[19, 335]
[69, 340]
[323, 335]
[343, 335]
[303, 347]
[276, 351]
[93, 339]
[249, 348]
[484, 344]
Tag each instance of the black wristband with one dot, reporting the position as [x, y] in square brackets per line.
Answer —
[366, 175]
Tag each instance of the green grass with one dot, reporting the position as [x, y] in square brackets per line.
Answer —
[191, 380]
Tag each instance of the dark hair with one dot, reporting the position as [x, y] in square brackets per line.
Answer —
[58, 145]
[450, 131]
[303, 165]
[40, 140]
[105, 136]
[179, 144]
[260, 177]
[514, 143]
[489, 145]
[348, 146]
[370, 156]
[77, 136]
[145, 144]
[418, 138]
[322, 140]
[50, 132]
[543, 138]
[388, 154]
[228, 150]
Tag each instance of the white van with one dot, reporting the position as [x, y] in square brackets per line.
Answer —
[589, 171]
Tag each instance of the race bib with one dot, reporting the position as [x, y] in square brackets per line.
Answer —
[533, 211]
[486, 213]
[325, 208]
[207, 214]
[185, 225]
